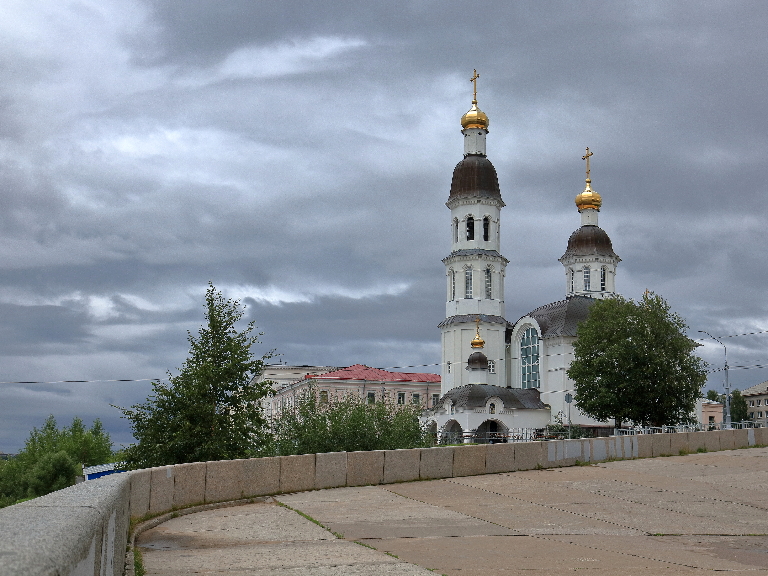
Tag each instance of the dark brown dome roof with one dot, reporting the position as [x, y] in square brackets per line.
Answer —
[589, 241]
[477, 360]
[474, 176]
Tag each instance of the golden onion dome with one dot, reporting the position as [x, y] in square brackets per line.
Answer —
[477, 341]
[589, 198]
[475, 118]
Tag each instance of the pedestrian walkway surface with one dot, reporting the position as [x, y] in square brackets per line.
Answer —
[693, 514]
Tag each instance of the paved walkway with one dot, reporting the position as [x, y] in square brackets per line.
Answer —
[690, 514]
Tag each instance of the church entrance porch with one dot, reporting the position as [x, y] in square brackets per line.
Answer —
[491, 432]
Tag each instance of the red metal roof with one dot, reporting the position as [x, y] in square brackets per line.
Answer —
[362, 372]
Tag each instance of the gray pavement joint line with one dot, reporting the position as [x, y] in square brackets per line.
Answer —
[520, 533]
[314, 520]
[455, 481]
[549, 539]
[341, 536]
[640, 502]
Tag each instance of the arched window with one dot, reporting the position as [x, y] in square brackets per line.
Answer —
[572, 276]
[486, 229]
[491, 367]
[587, 279]
[491, 408]
[453, 285]
[529, 358]
[470, 228]
[455, 229]
[468, 283]
[602, 279]
[488, 283]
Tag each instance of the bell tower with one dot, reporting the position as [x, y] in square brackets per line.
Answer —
[474, 268]
[589, 261]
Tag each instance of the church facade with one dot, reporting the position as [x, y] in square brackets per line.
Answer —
[499, 376]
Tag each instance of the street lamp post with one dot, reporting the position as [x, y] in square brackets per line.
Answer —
[727, 385]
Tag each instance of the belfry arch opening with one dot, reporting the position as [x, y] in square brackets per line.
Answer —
[470, 228]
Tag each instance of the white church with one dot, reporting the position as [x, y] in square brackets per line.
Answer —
[499, 376]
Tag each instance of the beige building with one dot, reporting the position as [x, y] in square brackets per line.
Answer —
[757, 403]
[710, 413]
[372, 384]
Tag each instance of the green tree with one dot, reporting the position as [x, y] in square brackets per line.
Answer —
[739, 408]
[633, 362]
[211, 410]
[311, 425]
[51, 459]
[713, 396]
[54, 471]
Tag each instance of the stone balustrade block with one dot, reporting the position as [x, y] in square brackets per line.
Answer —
[645, 445]
[261, 476]
[189, 484]
[365, 468]
[436, 463]
[297, 473]
[469, 460]
[330, 470]
[401, 465]
[140, 487]
[224, 480]
[500, 458]
[530, 455]
[161, 489]
[679, 444]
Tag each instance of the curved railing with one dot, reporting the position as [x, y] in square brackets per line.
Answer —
[83, 530]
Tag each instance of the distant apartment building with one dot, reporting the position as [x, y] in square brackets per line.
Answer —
[371, 384]
[757, 403]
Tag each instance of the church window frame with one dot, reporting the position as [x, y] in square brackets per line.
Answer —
[572, 276]
[468, 283]
[486, 228]
[455, 230]
[452, 284]
[587, 279]
[470, 228]
[530, 374]
[492, 408]
[602, 279]
[489, 283]
[491, 366]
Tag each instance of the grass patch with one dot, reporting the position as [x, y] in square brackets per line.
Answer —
[308, 517]
[701, 450]
[138, 563]
[363, 544]
[684, 452]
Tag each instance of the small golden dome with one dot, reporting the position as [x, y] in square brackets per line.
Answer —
[478, 342]
[475, 118]
[588, 199]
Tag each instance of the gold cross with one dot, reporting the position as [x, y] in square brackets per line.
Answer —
[586, 157]
[474, 78]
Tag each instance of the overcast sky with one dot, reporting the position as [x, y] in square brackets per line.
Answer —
[299, 155]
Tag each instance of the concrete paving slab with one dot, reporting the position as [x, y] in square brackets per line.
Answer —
[258, 539]
[678, 515]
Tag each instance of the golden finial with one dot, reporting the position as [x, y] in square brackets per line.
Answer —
[475, 118]
[586, 157]
[474, 78]
[478, 342]
[588, 198]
